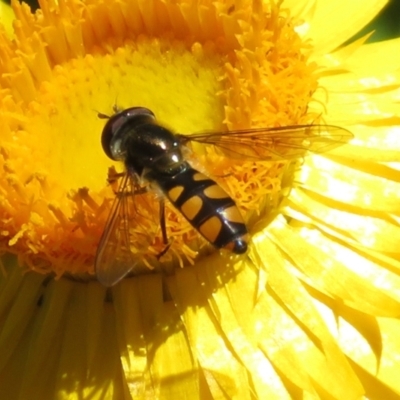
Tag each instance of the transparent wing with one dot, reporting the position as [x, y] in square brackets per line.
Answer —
[273, 143]
[127, 234]
[114, 258]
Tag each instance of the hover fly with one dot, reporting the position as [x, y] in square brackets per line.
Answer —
[154, 158]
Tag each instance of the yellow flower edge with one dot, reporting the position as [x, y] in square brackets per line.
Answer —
[213, 69]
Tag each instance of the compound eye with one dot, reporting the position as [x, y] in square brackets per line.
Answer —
[107, 137]
[117, 126]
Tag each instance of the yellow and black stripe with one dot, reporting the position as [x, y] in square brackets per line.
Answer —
[207, 207]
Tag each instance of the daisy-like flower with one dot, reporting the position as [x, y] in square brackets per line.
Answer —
[309, 312]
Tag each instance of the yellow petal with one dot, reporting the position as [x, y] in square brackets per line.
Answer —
[304, 332]
[332, 23]
[6, 17]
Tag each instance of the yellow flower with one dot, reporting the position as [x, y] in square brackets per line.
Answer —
[311, 310]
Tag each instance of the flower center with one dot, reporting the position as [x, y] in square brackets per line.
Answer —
[150, 73]
[220, 68]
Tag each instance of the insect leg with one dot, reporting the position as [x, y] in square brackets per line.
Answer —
[113, 176]
[162, 222]
[163, 230]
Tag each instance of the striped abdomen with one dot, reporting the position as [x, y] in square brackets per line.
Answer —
[207, 207]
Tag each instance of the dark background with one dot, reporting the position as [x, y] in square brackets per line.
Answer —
[386, 24]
